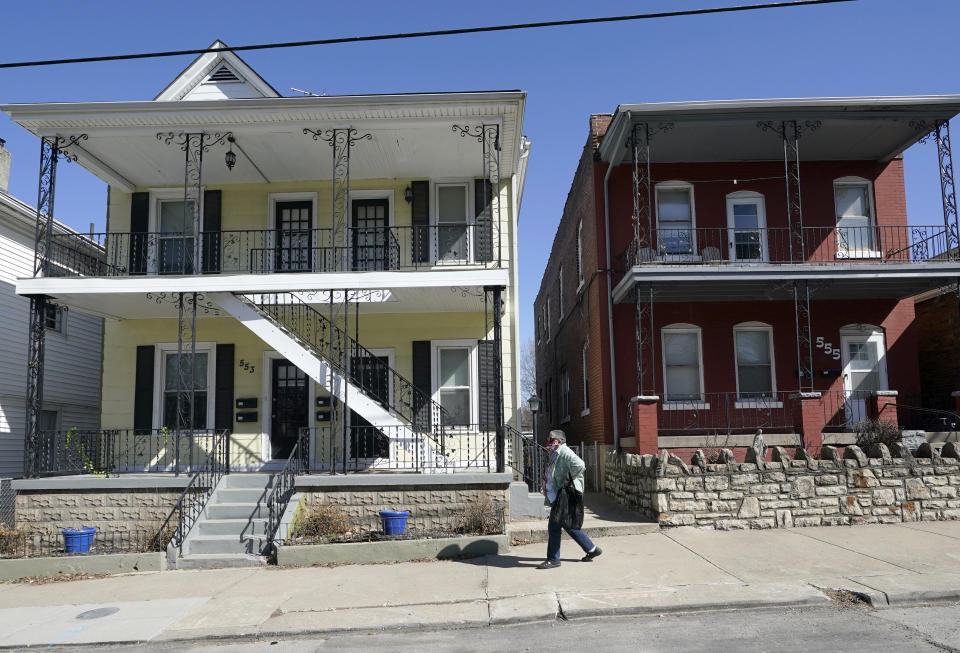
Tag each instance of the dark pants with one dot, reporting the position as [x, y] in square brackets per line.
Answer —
[553, 540]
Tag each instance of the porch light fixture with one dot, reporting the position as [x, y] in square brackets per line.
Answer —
[408, 194]
[534, 403]
[230, 158]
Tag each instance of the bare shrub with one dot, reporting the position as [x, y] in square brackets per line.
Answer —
[870, 432]
[482, 517]
[321, 520]
[11, 540]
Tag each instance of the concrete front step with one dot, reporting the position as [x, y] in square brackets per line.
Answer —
[240, 495]
[216, 510]
[245, 480]
[220, 560]
[227, 544]
[232, 526]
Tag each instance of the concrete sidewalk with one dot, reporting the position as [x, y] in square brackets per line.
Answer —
[677, 570]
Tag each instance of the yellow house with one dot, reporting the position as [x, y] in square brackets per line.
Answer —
[327, 277]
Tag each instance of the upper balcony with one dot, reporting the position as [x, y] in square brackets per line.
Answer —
[732, 199]
[279, 193]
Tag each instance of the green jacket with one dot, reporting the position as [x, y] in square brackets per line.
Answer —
[568, 465]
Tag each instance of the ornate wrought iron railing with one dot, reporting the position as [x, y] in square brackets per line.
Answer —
[268, 251]
[115, 451]
[725, 413]
[364, 369]
[529, 459]
[830, 244]
[284, 484]
[398, 448]
[191, 502]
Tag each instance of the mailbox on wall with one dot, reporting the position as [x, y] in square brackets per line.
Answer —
[323, 415]
[246, 403]
[248, 416]
[323, 402]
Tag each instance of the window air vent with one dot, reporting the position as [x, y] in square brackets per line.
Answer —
[223, 74]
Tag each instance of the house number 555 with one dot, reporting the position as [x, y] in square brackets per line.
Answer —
[828, 348]
[246, 366]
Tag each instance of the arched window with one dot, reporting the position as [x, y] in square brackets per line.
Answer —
[753, 354]
[682, 363]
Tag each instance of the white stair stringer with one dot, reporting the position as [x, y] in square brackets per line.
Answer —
[416, 445]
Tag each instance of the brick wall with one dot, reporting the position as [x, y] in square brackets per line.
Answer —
[938, 335]
[855, 489]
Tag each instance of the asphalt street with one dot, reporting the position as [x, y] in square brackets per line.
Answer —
[848, 629]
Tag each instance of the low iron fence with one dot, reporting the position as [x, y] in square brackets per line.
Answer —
[842, 410]
[112, 451]
[368, 448]
[284, 483]
[726, 413]
[18, 544]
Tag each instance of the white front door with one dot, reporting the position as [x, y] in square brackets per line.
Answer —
[864, 372]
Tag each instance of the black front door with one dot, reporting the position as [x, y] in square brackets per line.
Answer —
[294, 241]
[372, 375]
[370, 235]
[290, 407]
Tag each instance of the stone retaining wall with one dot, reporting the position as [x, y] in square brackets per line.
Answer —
[121, 509]
[834, 490]
[432, 506]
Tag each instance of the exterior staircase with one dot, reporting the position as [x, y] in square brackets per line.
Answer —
[231, 531]
[305, 337]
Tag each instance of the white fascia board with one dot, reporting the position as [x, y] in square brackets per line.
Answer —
[774, 273]
[264, 283]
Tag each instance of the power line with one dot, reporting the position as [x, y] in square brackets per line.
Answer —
[415, 35]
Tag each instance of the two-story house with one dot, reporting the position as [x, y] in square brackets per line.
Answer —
[72, 389]
[723, 267]
[337, 271]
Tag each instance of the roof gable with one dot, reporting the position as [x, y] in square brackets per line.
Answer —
[217, 76]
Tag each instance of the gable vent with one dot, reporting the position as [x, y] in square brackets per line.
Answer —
[223, 74]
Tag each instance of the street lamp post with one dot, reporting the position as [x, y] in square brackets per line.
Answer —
[534, 403]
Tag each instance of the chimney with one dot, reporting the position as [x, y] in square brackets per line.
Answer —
[4, 167]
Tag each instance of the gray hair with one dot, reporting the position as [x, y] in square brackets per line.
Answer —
[558, 435]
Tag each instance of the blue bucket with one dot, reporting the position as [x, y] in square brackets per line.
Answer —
[394, 521]
[78, 540]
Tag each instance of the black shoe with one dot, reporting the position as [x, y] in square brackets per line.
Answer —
[591, 555]
[548, 564]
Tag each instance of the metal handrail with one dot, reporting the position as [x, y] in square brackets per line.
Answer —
[280, 494]
[943, 415]
[530, 459]
[191, 502]
[314, 330]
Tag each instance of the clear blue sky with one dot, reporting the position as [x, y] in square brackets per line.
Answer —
[868, 47]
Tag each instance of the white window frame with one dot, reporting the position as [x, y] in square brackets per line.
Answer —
[560, 292]
[471, 219]
[755, 402]
[474, 383]
[682, 404]
[694, 254]
[579, 255]
[585, 369]
[564, 395]
[158, 195]
[758, 200]
[60, 323]
[854, 253]
[161, 349]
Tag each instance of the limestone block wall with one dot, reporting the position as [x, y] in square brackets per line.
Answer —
[835, 490]
[121, 509]
[432, 507]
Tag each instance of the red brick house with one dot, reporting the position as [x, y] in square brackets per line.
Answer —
[722, 267]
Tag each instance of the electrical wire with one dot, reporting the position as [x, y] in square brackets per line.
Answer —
[424, 34]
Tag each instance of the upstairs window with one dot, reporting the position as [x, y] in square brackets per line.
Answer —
[560, 292]
[586, 380]
[853, 200]
[580, 254]
[675, 218]
[452, 235]
[53, 318]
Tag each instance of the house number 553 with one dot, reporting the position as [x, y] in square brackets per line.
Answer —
[828, 348]
[246, 366]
